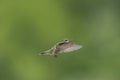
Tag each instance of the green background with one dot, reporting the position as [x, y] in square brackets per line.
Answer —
[28, 27]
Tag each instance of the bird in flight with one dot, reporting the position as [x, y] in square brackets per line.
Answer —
[63, 46]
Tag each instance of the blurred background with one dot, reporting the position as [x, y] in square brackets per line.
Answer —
[28, 27]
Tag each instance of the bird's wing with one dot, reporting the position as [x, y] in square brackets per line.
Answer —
[72, 48]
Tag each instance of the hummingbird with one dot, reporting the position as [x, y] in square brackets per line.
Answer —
[63, 46]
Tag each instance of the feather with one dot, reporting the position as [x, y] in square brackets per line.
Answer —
[72, 48]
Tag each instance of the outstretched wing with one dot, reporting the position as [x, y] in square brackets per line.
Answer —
[72, 48]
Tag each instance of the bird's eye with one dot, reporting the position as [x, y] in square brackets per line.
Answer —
[66, 40]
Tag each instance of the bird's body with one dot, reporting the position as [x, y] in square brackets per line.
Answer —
[62, 47]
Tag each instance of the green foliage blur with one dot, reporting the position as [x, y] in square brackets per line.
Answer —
[28, 27]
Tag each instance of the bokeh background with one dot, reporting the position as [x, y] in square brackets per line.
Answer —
[28, 27]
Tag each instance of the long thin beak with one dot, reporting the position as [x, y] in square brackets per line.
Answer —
[41, 53]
